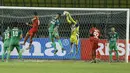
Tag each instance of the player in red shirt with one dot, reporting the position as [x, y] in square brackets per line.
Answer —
[35, 24]
[94, 38]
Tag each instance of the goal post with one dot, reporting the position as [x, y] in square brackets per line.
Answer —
[127, 36]
[104, 18]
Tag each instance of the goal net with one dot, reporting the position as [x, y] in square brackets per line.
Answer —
[104, 19]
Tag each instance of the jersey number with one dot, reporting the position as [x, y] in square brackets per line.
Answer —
[6, 35]
[15, 33]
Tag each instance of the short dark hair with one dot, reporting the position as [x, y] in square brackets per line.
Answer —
[59, 14]
[35, 13]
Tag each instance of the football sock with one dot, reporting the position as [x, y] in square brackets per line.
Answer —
[3, 56]
[72, 48]
[20, 54]
[59, 41]
[8, 55]
[117, 56]
[54, 45]
[77, 49]
[110, 55]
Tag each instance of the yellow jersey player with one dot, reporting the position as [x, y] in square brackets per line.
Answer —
[74, 38]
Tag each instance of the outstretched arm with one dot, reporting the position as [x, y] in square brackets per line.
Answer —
[71, 19]
[68, 20]
[29, 24]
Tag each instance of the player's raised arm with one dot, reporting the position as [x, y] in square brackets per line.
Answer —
[33, 19]
[29, 24]
[69, 19]
[72, 20]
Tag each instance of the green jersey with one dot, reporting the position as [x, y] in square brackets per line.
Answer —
[15, 35]
[53, 23]
[7, 35]
[6, 38]
[113, 37]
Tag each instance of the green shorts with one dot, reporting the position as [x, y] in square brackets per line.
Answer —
[6, 45]
[53, 35]
[112, 46]
[14, 42]
[15, 46]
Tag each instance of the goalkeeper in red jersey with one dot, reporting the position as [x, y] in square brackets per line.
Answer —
[35, 24]
[94, 38]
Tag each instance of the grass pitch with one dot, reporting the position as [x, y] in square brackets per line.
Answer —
[63, 67]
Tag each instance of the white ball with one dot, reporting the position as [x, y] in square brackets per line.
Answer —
[26, 23]
[65, 12]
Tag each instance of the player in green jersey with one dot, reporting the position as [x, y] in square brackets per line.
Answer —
[53, 31]
[16, 36]
[6, 40]
[113, 39]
